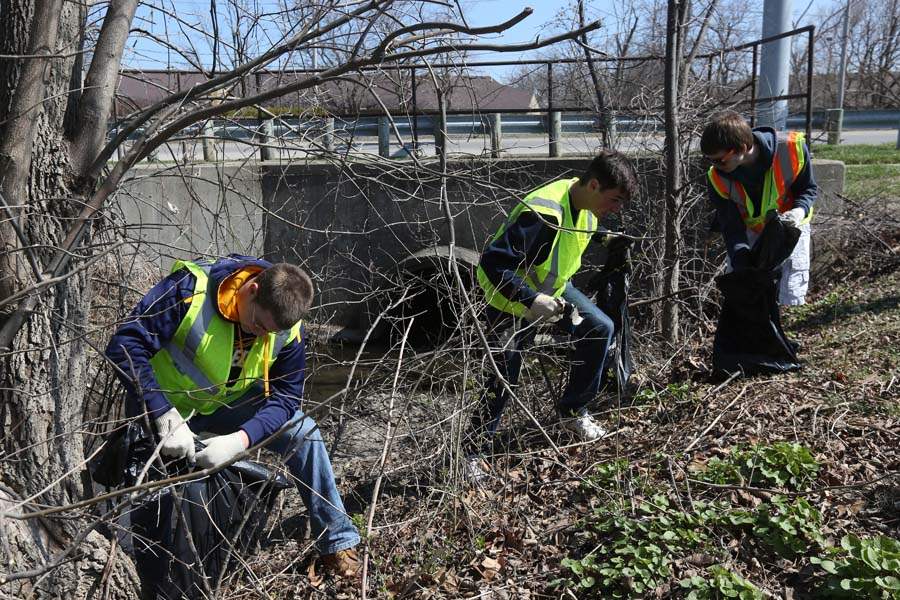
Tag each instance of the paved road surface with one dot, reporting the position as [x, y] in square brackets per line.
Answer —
[571, 144]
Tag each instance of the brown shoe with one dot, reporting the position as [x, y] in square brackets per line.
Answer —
[344, 563]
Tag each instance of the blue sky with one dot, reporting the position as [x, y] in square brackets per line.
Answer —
[546, 20]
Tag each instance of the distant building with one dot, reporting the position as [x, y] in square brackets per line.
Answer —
[351, 95]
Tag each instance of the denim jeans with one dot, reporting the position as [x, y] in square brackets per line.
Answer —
[305, 454]
[586, 369]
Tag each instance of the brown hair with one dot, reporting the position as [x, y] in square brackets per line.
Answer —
[612, 169]
[726, 130]
[286, 291]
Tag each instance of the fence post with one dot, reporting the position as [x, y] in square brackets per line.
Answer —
[496, 128]
[384, 137]
[898, 135]
[611, 131]
[328, 134]
[555, 131]
[834, 118]
[440, 135]
[209, 145]
[268, 134]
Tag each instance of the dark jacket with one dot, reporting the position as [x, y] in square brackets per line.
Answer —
[526, 241]
[155, 319]
[734, 231]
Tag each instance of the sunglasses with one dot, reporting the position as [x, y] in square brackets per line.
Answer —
[722, 159]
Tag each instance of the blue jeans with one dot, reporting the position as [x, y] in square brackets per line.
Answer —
[306, 456]
[586, 369]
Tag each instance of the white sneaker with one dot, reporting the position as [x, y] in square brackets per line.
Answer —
[474, 472]
[585, 427]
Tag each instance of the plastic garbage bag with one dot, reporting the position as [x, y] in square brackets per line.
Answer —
[610, 288]
[749, 337]
[185, 535]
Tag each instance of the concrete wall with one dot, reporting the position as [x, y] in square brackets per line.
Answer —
[350, 224]
[194, 210]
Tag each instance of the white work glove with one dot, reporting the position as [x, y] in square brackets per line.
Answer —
[176, 437]
[793, 217]
[221, 449]
[546, 308]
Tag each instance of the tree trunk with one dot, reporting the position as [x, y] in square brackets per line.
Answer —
[671, 265]
[43, 375]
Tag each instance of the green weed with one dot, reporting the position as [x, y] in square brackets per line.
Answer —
[789, 528]
[783, 464]
[721, 583]
[861, 568]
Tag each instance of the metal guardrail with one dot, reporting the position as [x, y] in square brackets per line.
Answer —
[853, 119]
[552, 119]
[244, 129]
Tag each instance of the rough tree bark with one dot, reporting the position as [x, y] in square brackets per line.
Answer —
[42, 380]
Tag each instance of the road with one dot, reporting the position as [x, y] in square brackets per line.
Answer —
[524, 145]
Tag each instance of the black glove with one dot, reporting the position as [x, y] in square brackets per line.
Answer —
[741, 259]
[618, 253]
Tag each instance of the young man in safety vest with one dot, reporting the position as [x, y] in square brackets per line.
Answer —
[524, 274]
[218, 347]
[753, 172]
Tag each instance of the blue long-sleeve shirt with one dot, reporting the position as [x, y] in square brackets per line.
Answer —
[752, 177]
[154, 321]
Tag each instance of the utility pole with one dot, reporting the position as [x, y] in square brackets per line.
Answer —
[774, 66]
[836, 121]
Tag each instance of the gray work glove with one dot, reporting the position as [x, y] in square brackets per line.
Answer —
[547, 308]
[793, 217]
[177, 439]
[221, 449]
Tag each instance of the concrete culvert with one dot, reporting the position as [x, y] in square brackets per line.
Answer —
[433, 298]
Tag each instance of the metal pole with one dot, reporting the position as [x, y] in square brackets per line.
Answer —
[384, 137]
[775, 63]
[555, 133]
[496, 125]
[753, 82]
[263, 151]
[552, 117]
[415, 115]
[809, 83]
[268, 135]
[835, 138]
[898, 135]
[209, 148]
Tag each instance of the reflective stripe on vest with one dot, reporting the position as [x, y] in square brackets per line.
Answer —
[193, 369]
[563, 260]
[787, 163]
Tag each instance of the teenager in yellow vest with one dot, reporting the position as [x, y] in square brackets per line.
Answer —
[525, 272]
[217, 347]
[754, 171]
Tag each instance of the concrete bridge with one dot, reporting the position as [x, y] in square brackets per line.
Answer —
[362, 229]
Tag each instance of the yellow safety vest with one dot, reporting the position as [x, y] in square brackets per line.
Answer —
[563, 261]
[787, 163]
[194, 367]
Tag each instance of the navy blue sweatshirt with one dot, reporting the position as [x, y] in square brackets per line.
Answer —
[734, 231]
[526, 241]
[153, 323]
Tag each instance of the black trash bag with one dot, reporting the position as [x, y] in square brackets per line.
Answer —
[610, 289]
[184, 532]
[749, 338]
